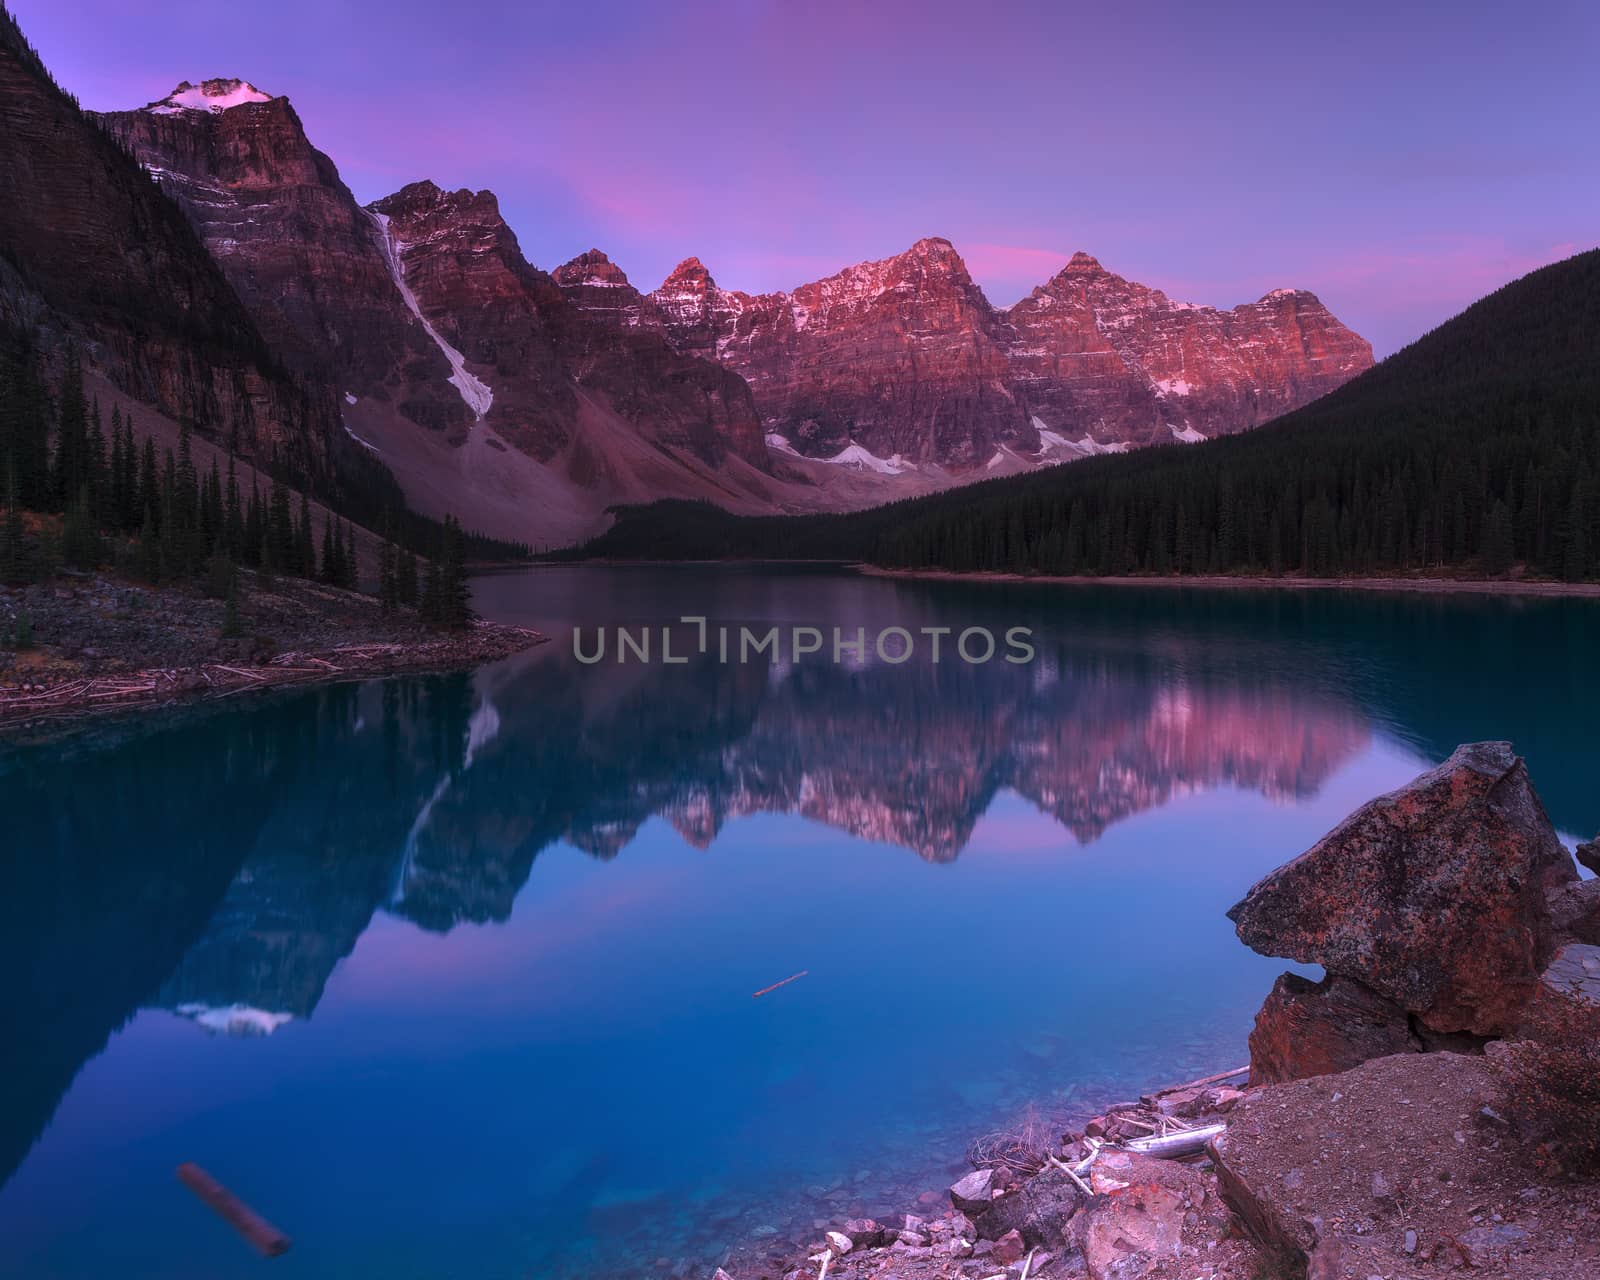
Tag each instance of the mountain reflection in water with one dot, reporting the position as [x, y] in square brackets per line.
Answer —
[219, 862]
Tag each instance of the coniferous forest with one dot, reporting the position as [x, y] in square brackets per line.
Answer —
[1475, 451]
[164, 519]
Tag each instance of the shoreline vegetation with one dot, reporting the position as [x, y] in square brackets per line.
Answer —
[98, 643]
[1419, 585]
[1422, 585]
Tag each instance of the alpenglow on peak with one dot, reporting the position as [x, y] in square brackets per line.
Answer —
[215, 96]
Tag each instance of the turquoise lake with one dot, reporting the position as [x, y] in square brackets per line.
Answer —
[452, 975]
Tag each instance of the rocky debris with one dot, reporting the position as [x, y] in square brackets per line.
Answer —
[1398, 1162]
[1037, 1209]
[1575, 910]
[1433, 896]
[1165, 1219]
[107, 645]
[1310, 1028]
[1575, 972]
[1589, 854]
[973, 1193]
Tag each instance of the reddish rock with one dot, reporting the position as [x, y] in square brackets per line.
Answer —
[1009, 1248]
[1310, 1028]
[294, 243]
[906, 356]
[384, 302]
[539, 354]
[1095, 352]
[93, 251]
[1434, 895]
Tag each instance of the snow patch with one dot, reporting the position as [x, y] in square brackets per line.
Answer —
[234, 1019]
[474, 391]
[1188, 435]
[365, 444]
[215, 96]
[1088, 447]
[781, 444]
[859, 459]
[1174, 386]
[349, 398]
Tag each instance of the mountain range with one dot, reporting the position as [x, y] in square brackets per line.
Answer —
[216, 267]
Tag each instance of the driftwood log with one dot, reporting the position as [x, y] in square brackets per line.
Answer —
[260, 1234]
[1170, 1146]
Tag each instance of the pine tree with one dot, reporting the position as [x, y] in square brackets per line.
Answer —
[149, 556]
[1498, 550]
[232, 624]
[388, 576]
[148, 496]
[116, 495]
[455, 597]
[350, 569]
[305, 545]
[232, 516]
[14, 569]
[279, 553]
[331, 572]
[96, 478]
[72, 434]
[80, 539]
[406, 579]
[432, 607]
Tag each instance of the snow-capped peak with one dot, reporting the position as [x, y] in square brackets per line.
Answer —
[215, 96]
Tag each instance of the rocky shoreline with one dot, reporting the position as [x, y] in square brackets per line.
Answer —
[1423, 585]
[101, 644]
[1432, 1105]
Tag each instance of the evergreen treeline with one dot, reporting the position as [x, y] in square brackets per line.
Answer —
[168, 520]
[1474, 450]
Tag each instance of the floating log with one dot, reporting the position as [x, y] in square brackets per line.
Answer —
[260, 1234]
[776, 985]
[1205, 1080]
[1172, 1145]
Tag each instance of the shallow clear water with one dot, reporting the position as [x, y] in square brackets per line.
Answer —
[504, 928]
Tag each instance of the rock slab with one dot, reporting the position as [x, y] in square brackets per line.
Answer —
[1433, 896]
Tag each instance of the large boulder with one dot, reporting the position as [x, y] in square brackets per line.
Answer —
[1038, 1208]
[1434, 895]
[1400, 1167]
[1162, 1221]
[1310, 1028]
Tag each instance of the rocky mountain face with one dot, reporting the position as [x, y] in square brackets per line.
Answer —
[297, 248]
[458, 364]
[93, 252]
[906, 359]
[1124, 361]
[535, 353]
[422, 301]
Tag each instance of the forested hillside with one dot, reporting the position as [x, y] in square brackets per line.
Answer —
[1474, 450]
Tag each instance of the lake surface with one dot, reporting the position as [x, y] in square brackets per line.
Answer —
[452, 976]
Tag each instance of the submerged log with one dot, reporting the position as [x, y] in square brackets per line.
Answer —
[260, 1234]
[791, 978]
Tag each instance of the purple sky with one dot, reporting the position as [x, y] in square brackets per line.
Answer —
[1397, 163]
